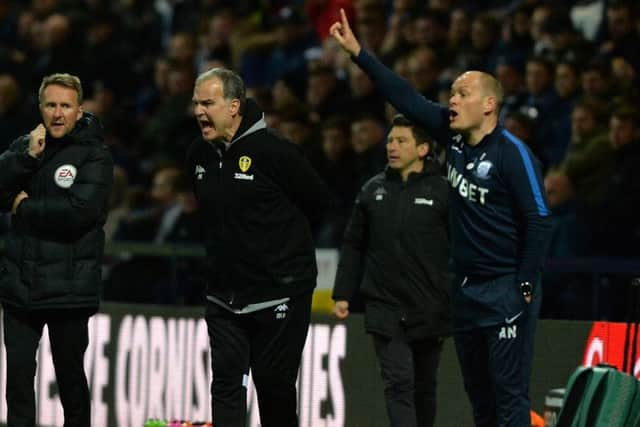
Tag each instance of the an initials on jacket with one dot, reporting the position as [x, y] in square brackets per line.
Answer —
[508, 332]
[64, 176]
[467, 190]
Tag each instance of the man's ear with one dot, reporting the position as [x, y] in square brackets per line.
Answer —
[234, 106]
[490, 104]
[423, 150]
[80, 113]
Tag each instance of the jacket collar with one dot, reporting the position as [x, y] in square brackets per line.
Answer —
[252, 121]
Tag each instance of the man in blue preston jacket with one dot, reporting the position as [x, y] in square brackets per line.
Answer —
[500, 226]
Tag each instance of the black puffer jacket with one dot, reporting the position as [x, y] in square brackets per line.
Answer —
[54, 249]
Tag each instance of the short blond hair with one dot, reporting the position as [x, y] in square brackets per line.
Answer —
[492, 87]
[61, 79]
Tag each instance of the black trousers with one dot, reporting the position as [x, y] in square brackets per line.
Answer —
[409, 372]
[69, 338]
[270, 343]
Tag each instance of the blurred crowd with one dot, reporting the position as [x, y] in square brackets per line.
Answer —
[569, 71]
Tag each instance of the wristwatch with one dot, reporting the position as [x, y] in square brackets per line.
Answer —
[526, 289]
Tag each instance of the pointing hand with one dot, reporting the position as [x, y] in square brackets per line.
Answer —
[341, 31]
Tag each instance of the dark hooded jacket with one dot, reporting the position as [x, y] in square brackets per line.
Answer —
[395, 252]
[53, 251]
[255, 200]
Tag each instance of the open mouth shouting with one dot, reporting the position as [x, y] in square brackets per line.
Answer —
[207, 128]
[452, 115]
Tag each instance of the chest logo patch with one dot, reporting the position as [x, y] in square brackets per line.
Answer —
[483, 169]
[65, 175]
[244, 163]
[423, 201]
[199, 172]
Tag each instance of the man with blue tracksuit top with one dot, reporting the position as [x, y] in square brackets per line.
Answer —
[500, 226]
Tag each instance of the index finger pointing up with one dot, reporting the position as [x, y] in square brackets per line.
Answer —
[343, 18]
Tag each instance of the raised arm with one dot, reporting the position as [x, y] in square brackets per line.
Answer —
[395, 89]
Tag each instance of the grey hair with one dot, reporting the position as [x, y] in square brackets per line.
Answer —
[232, 84]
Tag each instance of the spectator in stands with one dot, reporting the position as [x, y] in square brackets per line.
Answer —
[326, 94]
[541, 105]
[293, 38]
[616, 227]
[364, 96]
[510, 74]
[367, 142]
[296, 128]
[401, 271]
[334, 163]
[170, 129]
[582, 175]
[215, 42]
[371, 25]
[621, 33]
[170, 218]
[289, 92]
[13, 121]
[424, 70]
[485, 34]
[567, 86]
[595, 80]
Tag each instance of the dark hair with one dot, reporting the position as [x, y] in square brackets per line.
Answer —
[419, 133]
[595, 108]
[335, 122]
[627, 113]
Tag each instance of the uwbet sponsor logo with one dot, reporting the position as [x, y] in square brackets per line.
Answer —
[65, 175]
[467, 190]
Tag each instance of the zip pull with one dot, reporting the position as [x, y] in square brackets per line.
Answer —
[464, 281]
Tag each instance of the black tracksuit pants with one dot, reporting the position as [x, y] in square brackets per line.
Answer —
[69, 338]
[496, 363]
[409, 372]
[270, 343]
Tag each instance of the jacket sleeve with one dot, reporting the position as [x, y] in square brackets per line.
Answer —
[524, 180]
[16, 167]
[301, 182]
[352, 255]
[407, 100]
[81, 206]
